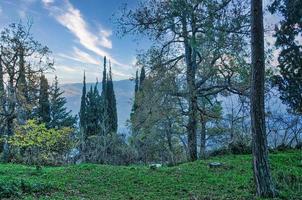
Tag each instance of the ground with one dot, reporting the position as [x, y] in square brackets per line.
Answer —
[193, 180]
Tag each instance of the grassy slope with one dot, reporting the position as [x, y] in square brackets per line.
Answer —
[187, 181]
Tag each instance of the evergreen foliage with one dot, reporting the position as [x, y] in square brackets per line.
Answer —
[111, 101]
[83, 108]
[92, 112]
[60, 117]
[289, 81]
[142, 78]
[44, 104]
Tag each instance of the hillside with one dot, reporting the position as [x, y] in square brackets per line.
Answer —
[186, 181]
[124, 93]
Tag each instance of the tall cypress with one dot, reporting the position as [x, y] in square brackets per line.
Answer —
[136, 82]
[104, 81]
[112, 111]
[92, 112]
[142, 78]
[83, 108]
[44, 104]
[136, 89]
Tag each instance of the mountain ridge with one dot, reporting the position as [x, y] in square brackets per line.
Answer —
[124, 91]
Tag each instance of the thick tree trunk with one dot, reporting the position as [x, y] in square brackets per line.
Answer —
[203, 138]
[8, 134]
[190, 59]
[262, 176]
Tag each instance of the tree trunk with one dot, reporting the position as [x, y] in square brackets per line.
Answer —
[262, 176]
[190, 59]
[8, 134]
[170, 146]
[203, 138]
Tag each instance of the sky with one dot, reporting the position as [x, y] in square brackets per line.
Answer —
[79, 33]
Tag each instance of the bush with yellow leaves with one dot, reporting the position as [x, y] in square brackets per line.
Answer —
[37, 145]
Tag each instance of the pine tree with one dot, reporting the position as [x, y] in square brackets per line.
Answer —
[60, 117]
[83, 108]
[44, 104]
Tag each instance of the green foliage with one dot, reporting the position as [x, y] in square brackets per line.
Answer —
[111, 104]
[83, 108]
[193, 180]
[142, 78]
[60, 117]
[40, 145]
[93, 112]
[287, 36]
[44, 104]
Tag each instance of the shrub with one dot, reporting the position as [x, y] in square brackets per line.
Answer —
[240, 148]
[17, 188]
[38, 145]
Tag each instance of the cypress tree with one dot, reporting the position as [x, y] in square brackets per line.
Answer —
[83, 108]
[111, 99]
[136, 90]
[92, 111]
[44, 104]
[136, 82]
[142, 78]
[104, 81]
[60, 117]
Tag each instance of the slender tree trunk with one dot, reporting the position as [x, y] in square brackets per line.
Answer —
[170, 146]
[262, 175]
[203, 138]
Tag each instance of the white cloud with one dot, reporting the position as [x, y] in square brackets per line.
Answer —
[71, 18]
[47, 2]
[81, 56]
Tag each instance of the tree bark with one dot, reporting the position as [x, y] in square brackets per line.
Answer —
[203, 138]
[190, 59]
[262, 175]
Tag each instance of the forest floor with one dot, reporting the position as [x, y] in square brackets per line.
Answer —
[193, 180]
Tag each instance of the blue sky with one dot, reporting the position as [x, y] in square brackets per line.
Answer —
[79, 33]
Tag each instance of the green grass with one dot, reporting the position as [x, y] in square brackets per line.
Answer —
[186, 181]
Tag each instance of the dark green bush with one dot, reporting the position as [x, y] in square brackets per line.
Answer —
[18, 187]
[240, 148]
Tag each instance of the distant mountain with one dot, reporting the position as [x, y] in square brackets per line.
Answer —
[124, 91]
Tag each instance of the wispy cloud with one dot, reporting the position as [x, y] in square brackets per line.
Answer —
[81, 56]
[71, 18]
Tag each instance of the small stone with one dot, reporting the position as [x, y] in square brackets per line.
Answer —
[215, 164]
